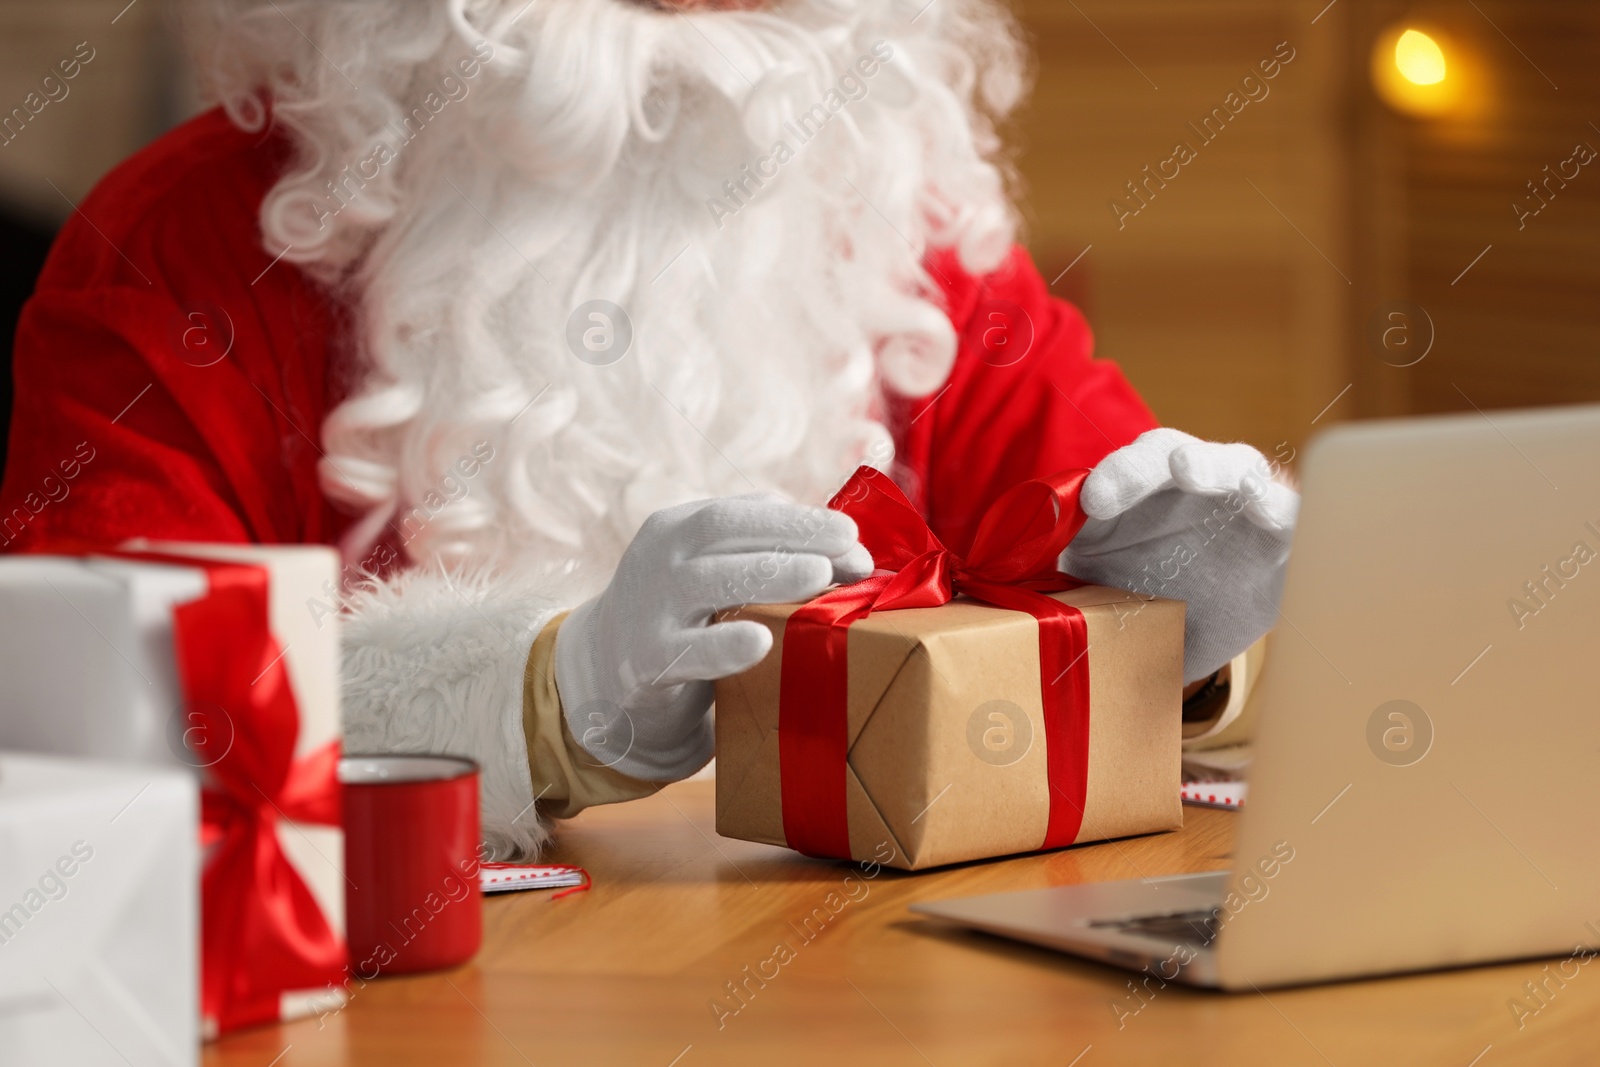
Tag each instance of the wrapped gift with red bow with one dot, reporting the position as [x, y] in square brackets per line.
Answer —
[949, 709]
[222, 659]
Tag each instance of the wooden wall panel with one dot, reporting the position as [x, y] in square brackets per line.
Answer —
[1522, 327]
[119, 100]
[1226, 316]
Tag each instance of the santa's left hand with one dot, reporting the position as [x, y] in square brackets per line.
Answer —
[1176, 517]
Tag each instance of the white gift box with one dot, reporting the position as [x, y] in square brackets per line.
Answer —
[99, 885]
[88, 661]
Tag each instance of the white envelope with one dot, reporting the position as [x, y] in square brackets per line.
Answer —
[99, 910]
[86, 654]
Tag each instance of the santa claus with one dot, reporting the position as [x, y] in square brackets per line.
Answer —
[562, 318]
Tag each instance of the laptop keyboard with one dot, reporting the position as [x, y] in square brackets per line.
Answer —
[1197, 928]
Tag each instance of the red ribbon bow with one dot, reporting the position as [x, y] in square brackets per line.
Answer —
[1012, 564]
[262, 932]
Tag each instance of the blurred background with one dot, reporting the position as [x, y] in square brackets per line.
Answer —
[1403, 217]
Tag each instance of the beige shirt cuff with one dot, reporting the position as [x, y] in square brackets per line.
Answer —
[566, 779]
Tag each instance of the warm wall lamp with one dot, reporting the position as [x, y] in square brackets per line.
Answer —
[1418, 71]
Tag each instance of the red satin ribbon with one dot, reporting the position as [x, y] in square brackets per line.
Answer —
[1012, 564]
[262, 932]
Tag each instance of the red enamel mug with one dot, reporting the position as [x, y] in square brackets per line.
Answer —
[412, 900]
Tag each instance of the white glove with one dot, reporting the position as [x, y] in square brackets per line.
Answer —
[1176, 517]
[634, 666]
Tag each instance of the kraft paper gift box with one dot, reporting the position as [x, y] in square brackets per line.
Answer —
[947, 757]
[90, 651]
[99, 913]
[955, 706]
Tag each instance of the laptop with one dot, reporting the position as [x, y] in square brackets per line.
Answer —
[1425, 786]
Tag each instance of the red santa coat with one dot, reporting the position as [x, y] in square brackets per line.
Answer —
[172, 376]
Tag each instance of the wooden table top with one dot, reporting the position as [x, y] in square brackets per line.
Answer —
[633, 971]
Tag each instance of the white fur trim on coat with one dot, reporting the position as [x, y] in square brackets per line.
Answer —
[434, 664]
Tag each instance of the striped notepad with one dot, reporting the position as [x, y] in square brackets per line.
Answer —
[1214, 794]
[509, 877]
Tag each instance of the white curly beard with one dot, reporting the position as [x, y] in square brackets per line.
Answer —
[606, 150]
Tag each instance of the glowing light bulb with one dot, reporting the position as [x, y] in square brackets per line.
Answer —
[1419, 58]
[1411, 75]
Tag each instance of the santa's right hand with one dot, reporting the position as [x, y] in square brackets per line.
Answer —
[634, 666]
